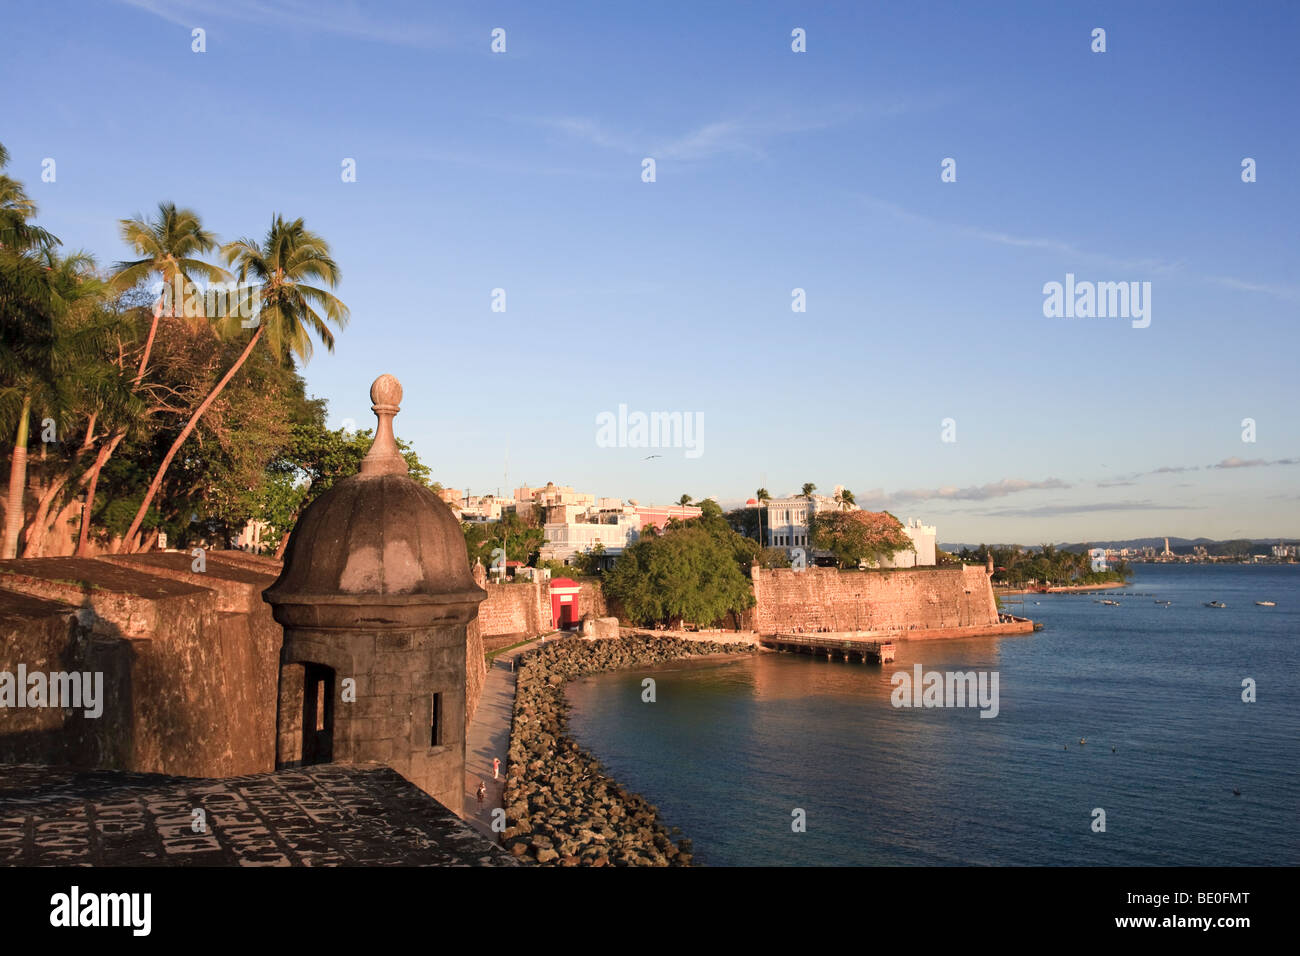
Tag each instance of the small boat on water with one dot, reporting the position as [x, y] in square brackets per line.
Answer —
[1164, 603]
[1215, 604]
[1267, 603]
[1111, 603]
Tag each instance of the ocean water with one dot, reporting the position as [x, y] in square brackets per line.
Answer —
[731, 750]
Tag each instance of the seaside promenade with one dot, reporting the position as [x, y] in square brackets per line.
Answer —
[488, 737]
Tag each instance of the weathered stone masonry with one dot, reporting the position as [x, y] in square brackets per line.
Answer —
[189, 662]
[903, 600]
[375, 597]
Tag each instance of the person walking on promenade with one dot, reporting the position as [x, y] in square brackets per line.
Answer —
[482, 792]
[496, 768]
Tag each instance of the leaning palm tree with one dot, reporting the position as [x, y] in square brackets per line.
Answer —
[169, 245]
[845, 500]
[275, 285]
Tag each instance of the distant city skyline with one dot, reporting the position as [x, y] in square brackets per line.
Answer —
[925, 374]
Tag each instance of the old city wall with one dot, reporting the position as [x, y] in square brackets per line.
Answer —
[901, 600]
[591, 598]
[514, 607]
[190, 660]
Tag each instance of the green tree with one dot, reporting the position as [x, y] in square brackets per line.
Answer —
[685, 574]
[854, 537]
[808, 490]
[511, 534]
[49, 385]
[312, 462]
[286, 264]
[695, 570]
[28, 348]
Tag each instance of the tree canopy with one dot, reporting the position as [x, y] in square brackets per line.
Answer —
[693, 571]
[854, 537]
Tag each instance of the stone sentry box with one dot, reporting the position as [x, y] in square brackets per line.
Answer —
[375, 597]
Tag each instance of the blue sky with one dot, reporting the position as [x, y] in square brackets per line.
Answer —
[775, 170]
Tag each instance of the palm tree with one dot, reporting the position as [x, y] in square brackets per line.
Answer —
[763, 498]
[168, 244]
[16, 209]
[25, 329]
[845, 499]
[808, 490]
[69, 283]
[684, 500]
[288, 260]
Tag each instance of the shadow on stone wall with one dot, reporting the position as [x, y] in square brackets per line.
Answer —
[69, 641]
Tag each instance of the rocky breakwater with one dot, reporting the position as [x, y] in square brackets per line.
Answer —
[560, 808]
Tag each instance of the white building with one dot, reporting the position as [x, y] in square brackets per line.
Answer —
[248, 539]
[786, 523]
[568, 538]
[785, 526]
[924, 539]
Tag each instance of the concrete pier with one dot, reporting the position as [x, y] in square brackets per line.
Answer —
[834, 646]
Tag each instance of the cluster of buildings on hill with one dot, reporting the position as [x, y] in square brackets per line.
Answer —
[576, 522]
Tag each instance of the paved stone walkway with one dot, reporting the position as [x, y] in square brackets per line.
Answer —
[327, 815]
[488, 737]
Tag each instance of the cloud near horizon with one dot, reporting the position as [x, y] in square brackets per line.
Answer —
[1058, 511]
[1254, 462]
[996, 489]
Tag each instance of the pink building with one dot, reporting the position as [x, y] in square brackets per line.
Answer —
[660, 516]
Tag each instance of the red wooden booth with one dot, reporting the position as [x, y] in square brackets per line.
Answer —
[564, 602]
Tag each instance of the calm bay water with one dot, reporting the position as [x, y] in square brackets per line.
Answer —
[730, 748]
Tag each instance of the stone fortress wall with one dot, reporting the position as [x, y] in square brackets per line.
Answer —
[514, 607]
[191, 660]
[903, 601]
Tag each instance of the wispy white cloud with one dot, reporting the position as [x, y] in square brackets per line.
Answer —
[1150, 266]
[359, 21]
[746, 134]
[1058, 246]
[1280, 291]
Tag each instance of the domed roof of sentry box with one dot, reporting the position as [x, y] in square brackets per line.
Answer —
[377, 549]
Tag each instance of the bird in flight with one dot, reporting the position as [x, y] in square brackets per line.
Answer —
[648, 457]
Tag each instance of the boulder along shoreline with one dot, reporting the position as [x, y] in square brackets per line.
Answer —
[560, 808]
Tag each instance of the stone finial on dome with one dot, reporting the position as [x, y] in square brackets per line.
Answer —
[383, 457]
